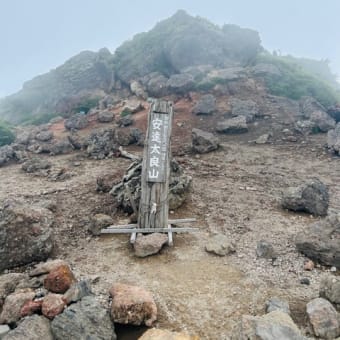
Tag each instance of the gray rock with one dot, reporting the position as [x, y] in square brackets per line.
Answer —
[263, 139]
[157, 85]
[233, 125]
[33, 327]
[321, 241]
[25, 234]
[36, 164]
[125, 120]
[330, 289]
[101, 144]
[4, 329]
[322, 121]
[13, 303]
[44, 135]
[24, 136]
[333, 140]
[83, 320]
[105, 117]
[311, 197]
[227, 74]
[265, 250]
[263, 69]
[180, 83]
[205, 106]
[7, 154]
[305, 127]
[272, 326]
[77, 291]
[98, 222]
[8, 283]
[132, 105]
[76, 122]
[246, 108]
[46, 267]
[129, 136]
[61, 147]
[323, 318]
[277, 304]
[76, 141]
[138, 89]
[203, 141]
[220, 245]
[146, 245]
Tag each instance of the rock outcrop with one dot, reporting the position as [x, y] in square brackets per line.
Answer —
[203, 141]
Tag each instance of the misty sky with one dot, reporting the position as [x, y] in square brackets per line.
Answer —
[38, 35]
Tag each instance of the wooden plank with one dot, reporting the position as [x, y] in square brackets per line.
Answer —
[148, 230]
[133, 238]
[122, 226]
[182, 220]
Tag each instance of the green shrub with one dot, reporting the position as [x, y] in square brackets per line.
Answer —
[40, 119]
[6, 134]
[295, 82]
[86, 104]
[125, 112]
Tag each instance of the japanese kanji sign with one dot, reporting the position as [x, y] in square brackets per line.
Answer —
[158, 140]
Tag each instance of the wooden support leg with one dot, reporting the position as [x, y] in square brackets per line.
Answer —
[170, 240]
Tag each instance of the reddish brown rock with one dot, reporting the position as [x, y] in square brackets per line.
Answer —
[46, 267]
[13, 304]
[309, 265]
[30, 308]
[59, 280]
[53, 305]
[132, 305]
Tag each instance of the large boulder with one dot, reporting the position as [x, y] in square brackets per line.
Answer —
[321, 241]
[130, 187]
[203, 141]
[180, 83]
[150, 244]
[25, 234]
[323, 318]
[132, 305]
[86, 319]
[156, 84]
[34, 327]
[76, 122]
[330, 289]
[132, 105]
[247, 108]
[333, 140]
[36, 164]
[7, 154]
[61, 147]
[205, 106]
[44, 135]
[137, 88]
[272, 326]
[233, 125]
[105, 117]
[101, 144]
[311, 197]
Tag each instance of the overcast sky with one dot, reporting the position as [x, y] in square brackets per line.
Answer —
[38, 35]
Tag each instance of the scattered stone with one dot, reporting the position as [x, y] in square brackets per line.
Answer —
[76, 122]
[53, 305]
[101, 144]
[105, 117]
[321, 241]
[4, 329]
[146, 245]
[272, 326]
[265, 250]
[277, 304]
[220, 245]
[59, 279]
[203, 141]
[333, 140]
[13, 303]
[263, 139]
[8, 284]
[205, 106]
[46, 267]
[323, 318]
[105, 182]
[132, 106]
[126, 137]
[292, 139]
[25, 234]
[330, 289]
[305, 281]
[77, 291]
[36, 164]
[99, 222]
[44, 136]
[132, 305]
[34, 327]
[86, 319]
[125, 120]
[233, 125]
[162, 334]
[31, 307]
[311, 197]
[308, 265]
[246, 108]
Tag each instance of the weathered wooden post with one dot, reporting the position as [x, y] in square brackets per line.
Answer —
[154, 206]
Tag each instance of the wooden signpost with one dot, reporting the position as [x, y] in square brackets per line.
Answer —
[154, 203]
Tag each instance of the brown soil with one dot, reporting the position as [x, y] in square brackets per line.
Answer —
[235, 191]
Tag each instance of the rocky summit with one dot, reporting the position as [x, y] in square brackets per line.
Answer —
[254, 168]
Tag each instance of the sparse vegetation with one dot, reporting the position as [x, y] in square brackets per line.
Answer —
[6, 134]
[296, 82]
[86, 104]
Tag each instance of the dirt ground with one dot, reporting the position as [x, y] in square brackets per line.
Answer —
[235, 191]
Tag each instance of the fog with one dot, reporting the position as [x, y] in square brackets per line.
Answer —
[39, 35]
